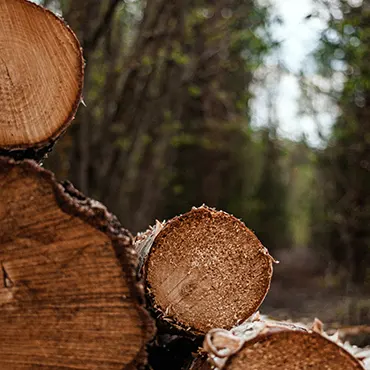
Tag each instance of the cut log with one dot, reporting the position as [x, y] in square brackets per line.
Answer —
[269, 345]
[204, 269]
[69, 293]
[41, 78]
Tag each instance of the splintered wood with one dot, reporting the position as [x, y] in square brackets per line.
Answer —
[41, 77]
[270, 345]
[204, 269]
[69, 296]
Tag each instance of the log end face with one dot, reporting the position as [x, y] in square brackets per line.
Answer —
[41, 77]
[207, 269]
[69, 296]
[291, 350]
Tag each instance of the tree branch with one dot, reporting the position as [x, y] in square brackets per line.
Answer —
[102, 27]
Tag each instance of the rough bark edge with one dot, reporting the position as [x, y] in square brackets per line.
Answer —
[36, 154]
[143, 244]
[257, 329]
[73, 202]
[38, 150]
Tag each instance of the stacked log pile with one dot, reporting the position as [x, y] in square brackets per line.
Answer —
[69, 293]
[73, 281]
[205, 275]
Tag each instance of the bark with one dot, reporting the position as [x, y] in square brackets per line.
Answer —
[41, 78]
[69, 297]
[269, 345]
[204, 269]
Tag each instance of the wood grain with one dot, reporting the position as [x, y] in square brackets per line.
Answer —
[41, 76]
[269, 345]
[204, 269]
[69, 295]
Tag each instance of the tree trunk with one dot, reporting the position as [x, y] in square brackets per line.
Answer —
[69, 294]
[41, 77]
[269, 345]
[148, 109]
[204, 269]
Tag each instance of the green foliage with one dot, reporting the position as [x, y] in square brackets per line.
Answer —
[167, 124]
[271, 221]
[194, 91]
[343, 169]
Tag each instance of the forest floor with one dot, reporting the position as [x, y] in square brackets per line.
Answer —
[301, 291]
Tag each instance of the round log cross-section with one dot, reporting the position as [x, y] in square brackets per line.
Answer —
[69, 295]
[293, 350]
[204, 269]
[41, 78]
[273, 345]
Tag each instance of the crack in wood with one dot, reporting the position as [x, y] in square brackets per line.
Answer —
[7, 282]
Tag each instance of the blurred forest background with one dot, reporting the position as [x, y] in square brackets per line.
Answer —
[168, 88]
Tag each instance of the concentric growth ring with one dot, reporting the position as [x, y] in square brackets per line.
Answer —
[41, 75]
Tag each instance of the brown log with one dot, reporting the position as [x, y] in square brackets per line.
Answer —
[41, 78]
[204, 269]
[69, 293]
[269, 345]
